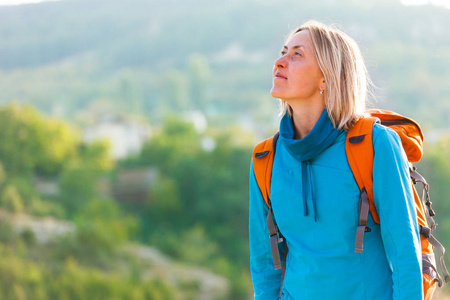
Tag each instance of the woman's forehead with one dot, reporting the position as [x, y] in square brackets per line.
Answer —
[299, 39]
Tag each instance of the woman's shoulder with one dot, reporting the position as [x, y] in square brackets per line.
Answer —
[383, 136]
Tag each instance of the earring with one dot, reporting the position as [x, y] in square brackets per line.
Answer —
[321, 92]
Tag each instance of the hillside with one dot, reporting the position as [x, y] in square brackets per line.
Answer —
[153, 57]
[147, 262]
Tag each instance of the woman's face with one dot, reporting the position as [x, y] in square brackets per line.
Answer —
[296, 74]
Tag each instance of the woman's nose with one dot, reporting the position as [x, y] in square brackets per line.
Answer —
[280, 62]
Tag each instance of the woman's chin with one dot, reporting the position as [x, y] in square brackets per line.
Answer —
[276, 94]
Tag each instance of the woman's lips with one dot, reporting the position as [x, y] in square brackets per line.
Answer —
[278, 75]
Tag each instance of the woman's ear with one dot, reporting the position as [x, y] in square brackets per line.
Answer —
[322, 85]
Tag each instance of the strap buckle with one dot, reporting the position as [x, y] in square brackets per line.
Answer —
[276, 237]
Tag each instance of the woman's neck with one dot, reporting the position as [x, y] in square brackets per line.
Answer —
[305, 117]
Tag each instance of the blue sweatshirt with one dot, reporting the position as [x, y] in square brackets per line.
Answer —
[315, 201]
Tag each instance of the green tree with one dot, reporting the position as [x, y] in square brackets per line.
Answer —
[11, 200]
[96, 155]
[32, 143]
[77, 187]
[20, 279]
[106, 222]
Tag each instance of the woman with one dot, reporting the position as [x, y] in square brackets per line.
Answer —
[321, 80]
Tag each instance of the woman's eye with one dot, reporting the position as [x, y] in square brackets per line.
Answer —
[283, 53]
[298, 53]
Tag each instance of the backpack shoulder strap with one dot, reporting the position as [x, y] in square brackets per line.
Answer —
[360, 155]
[263, 155]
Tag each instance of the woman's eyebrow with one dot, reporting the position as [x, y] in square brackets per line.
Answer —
[295, 47]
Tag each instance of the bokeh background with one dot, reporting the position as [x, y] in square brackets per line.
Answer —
[126, 131]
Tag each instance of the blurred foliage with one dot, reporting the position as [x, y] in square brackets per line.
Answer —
[45, 144]
[22, 278]
[199, 199]
[102, 227]
[182, 207]
[77, 188]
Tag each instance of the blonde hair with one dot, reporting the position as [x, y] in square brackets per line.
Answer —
[345, 73]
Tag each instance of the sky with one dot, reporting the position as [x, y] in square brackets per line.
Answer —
[441, 3]
[18, 2]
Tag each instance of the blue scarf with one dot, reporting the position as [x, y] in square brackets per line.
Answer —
[317, 140]
[320, 138]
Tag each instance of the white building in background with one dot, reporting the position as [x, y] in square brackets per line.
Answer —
[126, 135]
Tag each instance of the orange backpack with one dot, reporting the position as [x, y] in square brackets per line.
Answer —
[360, 155]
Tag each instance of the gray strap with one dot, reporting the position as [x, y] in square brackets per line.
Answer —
[426, 203]
[363, 215]
[436, 244]
[274, 240]
[437, 278]
[416, 176]
[283, 269]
